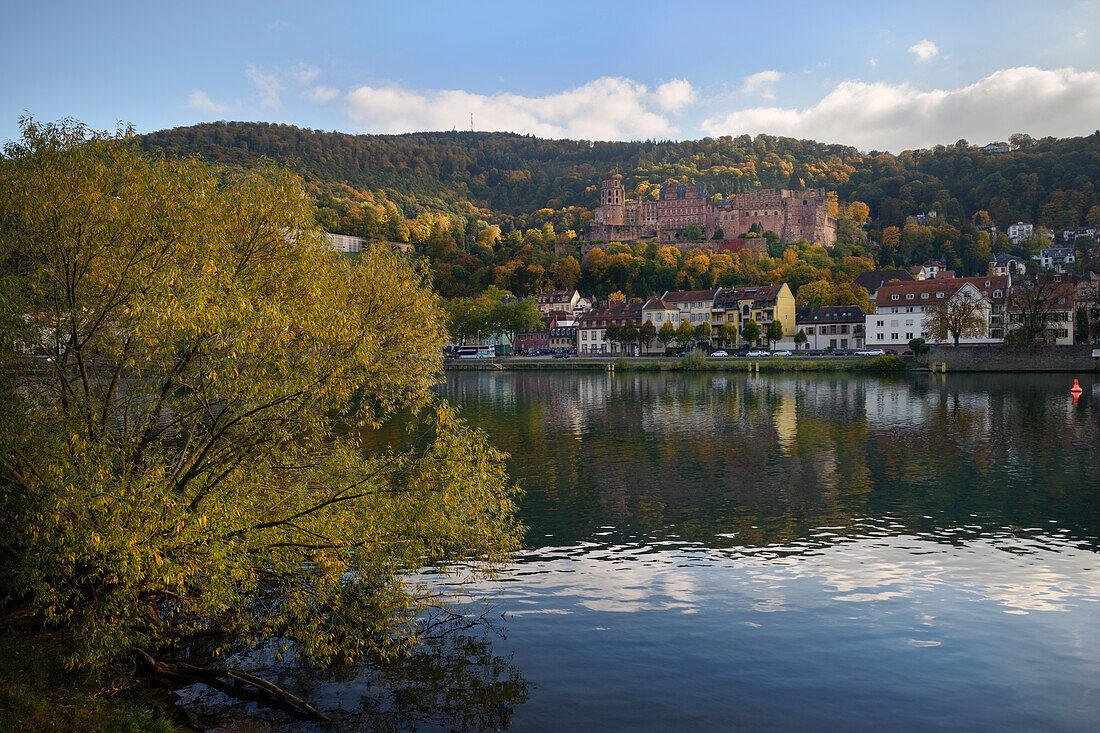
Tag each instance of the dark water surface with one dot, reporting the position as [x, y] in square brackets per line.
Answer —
[775, 553]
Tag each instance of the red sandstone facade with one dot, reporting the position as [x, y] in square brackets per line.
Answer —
[793, 215]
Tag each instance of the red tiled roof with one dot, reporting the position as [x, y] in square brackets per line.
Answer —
[684, 296]
[728, 296]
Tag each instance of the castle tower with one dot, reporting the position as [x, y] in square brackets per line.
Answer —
[612, 202]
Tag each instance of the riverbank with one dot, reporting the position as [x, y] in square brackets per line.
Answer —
[38, 692]
[1029, 359]
[1077, 358]
[688, 363]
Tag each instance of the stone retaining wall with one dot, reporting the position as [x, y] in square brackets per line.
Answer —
[1023, 359]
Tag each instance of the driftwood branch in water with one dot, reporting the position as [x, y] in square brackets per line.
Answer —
[189, 673]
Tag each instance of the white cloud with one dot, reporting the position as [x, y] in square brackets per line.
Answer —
[873, 62]
[320, 94]
[924, 50]
[608, 108]
[1080, 36]
[675, 95]
[267, 86]
[200, 100]
[761, 82]
[303, 74]
[882, 116]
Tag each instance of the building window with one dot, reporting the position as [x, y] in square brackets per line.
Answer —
[908, 296]
[924, 296]
[895, 296]
[893, 337]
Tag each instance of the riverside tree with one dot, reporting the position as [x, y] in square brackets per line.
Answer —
[961, 316]
[190, 461]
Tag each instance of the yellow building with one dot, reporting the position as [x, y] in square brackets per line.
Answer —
[763, 304]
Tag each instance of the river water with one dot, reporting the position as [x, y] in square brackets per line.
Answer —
[789, 552]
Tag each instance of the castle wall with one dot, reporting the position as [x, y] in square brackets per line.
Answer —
[793, 215]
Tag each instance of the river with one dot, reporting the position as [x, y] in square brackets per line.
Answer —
[776, 552]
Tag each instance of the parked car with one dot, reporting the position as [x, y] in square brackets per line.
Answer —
[685, 352]
[815, 352]
[870, 352]
[755, 353]
[561, 355]
[908, 352]
[842, 352]
[784, 352]
[890, 351]
[719, 354]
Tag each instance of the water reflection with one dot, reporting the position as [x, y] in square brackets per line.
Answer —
[768, 459]
[719, 552]
[454, 681]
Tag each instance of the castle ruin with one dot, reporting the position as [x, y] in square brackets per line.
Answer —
[793, 215]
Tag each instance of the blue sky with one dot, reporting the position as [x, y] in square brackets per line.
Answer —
[868, 74]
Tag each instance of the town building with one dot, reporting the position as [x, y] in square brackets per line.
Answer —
[558, 301]
[829, 327]
[563, 336]
[694, 305]
[1020, 231]
[995, 148]
[1057, 258]
[762, 304]
[902, 309]
[872, 280]
[592, 329]
[1073, 234]
[1006, 264]
[1054, 299]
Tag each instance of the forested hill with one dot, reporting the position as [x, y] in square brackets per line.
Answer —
[1048, 181]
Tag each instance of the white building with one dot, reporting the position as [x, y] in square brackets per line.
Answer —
[902, 309]
[1020, 231]
[1057, 258]
[345, 243]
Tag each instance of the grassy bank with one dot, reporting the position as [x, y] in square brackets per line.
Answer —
[37, 692]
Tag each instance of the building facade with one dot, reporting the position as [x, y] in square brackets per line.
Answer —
[829, 327]
[793, 215]
[903, 309]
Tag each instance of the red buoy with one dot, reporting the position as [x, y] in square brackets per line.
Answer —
[1076, 390]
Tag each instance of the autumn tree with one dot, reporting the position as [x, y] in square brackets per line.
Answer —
[667, 334]
[647, 333]
[1032, 306]
[751, 332]
[612, 334]
[685, 333]
[629, 334]
[702, 332]
[728, 333]
[800, 338]
[176, 471]
[964, 315]
[774, 331]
